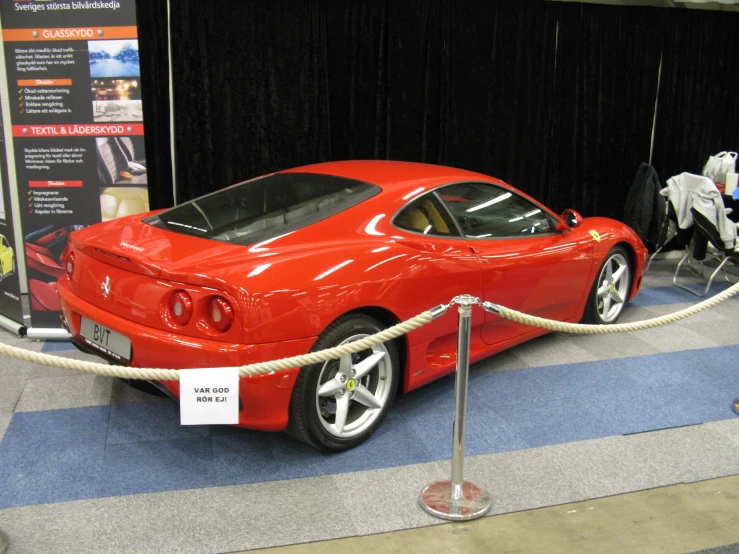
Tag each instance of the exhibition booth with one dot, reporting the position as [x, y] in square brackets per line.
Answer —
[288, 272]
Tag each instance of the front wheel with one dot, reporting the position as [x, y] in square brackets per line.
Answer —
[338, 404]
[610, 289]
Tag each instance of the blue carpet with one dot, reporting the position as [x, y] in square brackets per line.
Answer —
[63, 455]
[656, 296]
[57, 346]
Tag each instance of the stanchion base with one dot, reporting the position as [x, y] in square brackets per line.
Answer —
[3, 542]
[437, 500]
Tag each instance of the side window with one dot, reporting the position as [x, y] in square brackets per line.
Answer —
[426, 215]
[489, 211]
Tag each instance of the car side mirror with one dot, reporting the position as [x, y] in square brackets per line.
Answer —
[570, 220]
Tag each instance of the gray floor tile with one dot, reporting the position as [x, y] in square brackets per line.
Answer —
[374, 494]
[720, 312]
[724, 332]
[12, 382]
[553, 349]
[503, 361]
[728, 427]
[51, 528]
[75, 391]
[618, 345]
[50, 372]
[523, 479]
[687, 454]
[4, 422]
[635, 313]
[226, 519]
[674, 338]
[614, 465]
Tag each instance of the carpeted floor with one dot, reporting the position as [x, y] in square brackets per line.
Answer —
[89, 465]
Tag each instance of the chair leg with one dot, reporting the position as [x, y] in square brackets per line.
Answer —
[649, 263]
[700, 272]
[685, 258]
[726, 277]
[716, 271]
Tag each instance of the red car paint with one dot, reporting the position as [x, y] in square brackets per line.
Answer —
[284, 293]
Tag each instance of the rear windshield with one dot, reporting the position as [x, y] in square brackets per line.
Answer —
[257, 210]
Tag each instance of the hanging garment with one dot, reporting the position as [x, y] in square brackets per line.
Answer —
[644, 211]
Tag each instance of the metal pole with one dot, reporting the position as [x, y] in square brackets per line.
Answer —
[460, 398]
[3, 542]
[458, 499]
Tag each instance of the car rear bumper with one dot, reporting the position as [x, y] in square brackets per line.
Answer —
[265, 399]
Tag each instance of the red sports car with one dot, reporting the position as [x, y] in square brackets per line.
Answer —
[316, 256]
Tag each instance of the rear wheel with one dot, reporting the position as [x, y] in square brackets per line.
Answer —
[610, 288]
[338, 404]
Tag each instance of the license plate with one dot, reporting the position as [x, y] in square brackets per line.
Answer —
[106, 340]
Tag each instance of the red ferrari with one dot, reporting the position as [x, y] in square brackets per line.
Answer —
[317, 256]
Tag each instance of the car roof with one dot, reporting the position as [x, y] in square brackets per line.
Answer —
[394, 174]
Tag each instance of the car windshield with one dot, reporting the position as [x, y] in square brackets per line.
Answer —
[269, 206]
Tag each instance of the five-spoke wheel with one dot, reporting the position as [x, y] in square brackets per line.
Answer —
[610, 289]
[338, 404]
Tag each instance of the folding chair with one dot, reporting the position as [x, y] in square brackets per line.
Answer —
[705, 234]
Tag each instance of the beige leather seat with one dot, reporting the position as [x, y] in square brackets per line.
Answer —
[117, 202]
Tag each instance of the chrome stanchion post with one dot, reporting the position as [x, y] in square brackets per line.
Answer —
[3, 542]
[458, 499]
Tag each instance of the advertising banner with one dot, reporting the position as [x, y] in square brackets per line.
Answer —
[77, 126]
[10, 293]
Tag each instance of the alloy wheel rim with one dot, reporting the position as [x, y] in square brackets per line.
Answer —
[613, 287]
[353, 390]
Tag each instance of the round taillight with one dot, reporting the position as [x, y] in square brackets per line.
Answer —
[69, 264]
[220, 314]
[180, 307]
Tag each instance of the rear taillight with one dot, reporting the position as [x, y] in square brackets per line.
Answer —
[180, 307]
[69, 264]
[220, 314]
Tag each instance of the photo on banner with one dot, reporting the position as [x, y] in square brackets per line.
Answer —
[77, 126]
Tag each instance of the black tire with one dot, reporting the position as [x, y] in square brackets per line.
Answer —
[606, 307]
[312, 418]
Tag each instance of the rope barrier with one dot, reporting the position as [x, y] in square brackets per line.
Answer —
[154, 374]
[584, 329]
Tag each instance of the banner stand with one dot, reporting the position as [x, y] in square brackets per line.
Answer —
[38, 333]
[12, 326]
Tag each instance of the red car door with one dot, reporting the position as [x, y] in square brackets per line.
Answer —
[526, 264]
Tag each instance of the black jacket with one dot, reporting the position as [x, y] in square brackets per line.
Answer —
[645, 207]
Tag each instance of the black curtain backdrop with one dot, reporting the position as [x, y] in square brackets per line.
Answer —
[152, 22]
[606, 86]
[556, 98]
[698, 108]
[250, 89]
[502, 82]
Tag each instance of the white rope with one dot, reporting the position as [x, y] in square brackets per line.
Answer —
[583, 329]
[244, 371]
[336, 352]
